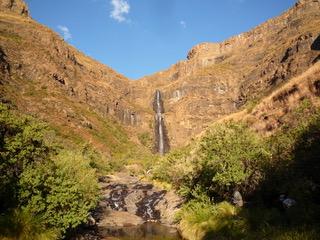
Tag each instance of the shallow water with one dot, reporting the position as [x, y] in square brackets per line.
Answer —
[148, 231]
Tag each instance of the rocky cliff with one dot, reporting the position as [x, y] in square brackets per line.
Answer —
[44, 76]
[218, 79]
[14, 6]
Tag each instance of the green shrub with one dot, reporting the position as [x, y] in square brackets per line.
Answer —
[228, 156]
[97, 161]
[174, 167]
[55, 188]
[23, 141]
[231, 155]
[145, 139]
[63, 191]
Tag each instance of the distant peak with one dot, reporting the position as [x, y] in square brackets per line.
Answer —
[14, 6]
[300, 2]
[203, 49]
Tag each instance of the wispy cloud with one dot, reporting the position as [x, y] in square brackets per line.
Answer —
[183, 24]
[119, 9]
[65, 32]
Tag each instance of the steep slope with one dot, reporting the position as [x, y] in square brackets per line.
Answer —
[218, 79]
[44, 76]
[282, 105]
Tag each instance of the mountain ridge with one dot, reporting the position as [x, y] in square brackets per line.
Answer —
[216, 79]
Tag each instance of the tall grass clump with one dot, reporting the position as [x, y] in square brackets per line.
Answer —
[22, 225]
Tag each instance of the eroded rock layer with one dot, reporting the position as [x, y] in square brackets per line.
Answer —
[218, 79]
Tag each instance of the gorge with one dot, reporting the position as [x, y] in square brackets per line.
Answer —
[86, 153]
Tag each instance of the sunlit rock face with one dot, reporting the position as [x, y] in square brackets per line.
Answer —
[218, 79]
[14, 6]
[214, 81]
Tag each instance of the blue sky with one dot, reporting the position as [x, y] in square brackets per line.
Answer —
[140, 37]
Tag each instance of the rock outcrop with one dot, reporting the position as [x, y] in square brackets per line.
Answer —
[44, 76]
[219, 79]
[139, 202]
[14, 6]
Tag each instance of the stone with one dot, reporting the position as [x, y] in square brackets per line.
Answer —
[15, 6]
[237, 199]
[286, 201]
[91, 221]
[126, 196]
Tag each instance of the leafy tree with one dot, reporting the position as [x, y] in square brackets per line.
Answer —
[230, 155]
[63, 191]
[55, 188]
[22, 141]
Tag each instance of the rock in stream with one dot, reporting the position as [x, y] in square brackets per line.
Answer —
[132, 208]
[127, 201]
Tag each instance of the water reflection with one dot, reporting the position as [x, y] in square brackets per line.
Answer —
[148, 231]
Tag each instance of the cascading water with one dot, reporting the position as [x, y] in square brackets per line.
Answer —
[132, 209]
[162, 143]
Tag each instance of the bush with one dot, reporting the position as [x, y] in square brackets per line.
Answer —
[63, 191]
[23, 141]
[175, 167]
[146, 140]
[50, 188]
[228, 156]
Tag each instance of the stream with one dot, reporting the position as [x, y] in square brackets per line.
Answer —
[147, 231]
[130, 208]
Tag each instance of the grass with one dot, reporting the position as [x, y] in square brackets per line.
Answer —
[205, 220]
[10, 36]
[223, 221]
[21, 225]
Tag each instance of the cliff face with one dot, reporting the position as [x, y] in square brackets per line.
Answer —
[218, 79]
[14, 6]
[42, 75]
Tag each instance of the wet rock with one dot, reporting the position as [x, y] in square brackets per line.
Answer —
[146, 207]
[286, 201]
[129, 201]
[117, 195]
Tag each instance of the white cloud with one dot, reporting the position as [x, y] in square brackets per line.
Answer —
[183, 24]
[120, 9]
[65, 32]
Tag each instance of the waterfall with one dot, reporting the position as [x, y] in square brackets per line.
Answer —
[162, 145]
[160, 122]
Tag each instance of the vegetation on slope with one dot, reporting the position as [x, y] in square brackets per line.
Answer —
[46, 189]
[231, 157]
